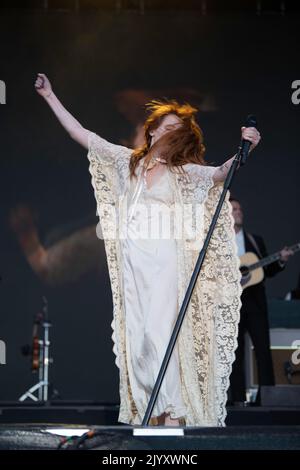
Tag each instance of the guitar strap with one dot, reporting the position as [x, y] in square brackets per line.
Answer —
[252, 240]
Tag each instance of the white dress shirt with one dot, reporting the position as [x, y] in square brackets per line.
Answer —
[240, 240]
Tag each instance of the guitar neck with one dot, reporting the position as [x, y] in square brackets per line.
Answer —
[272, 258]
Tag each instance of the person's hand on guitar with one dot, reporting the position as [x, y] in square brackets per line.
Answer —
[285, 253]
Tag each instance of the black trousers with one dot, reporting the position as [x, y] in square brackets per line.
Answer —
[257, 325]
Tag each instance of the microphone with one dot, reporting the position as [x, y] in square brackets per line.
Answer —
[245, 144]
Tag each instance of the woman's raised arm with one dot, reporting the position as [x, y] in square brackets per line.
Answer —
[248, 133]
[76, 131]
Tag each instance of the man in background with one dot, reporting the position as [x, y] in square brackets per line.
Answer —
[254, 313]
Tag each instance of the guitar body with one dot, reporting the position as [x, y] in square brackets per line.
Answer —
[255, 276]
[251, 266]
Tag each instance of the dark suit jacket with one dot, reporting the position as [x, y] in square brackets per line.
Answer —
[254, 298]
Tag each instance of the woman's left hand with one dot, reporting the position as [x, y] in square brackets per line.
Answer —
[251, 134]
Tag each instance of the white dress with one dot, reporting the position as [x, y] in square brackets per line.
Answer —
[142, 281]
[150, 297]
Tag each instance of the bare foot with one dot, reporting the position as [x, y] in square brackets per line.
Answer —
[170, 421]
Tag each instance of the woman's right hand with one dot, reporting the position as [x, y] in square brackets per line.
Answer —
[42, 85]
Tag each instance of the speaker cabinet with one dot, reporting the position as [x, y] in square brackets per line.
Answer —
[280, 396]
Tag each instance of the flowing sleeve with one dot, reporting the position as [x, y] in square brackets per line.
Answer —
[201, 177]
[105, 152]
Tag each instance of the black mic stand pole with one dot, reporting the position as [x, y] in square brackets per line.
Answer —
[238, 160]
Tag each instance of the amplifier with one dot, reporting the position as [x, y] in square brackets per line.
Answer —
[285, 370]
[285, 351]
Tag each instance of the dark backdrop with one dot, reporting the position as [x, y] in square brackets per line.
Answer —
[243, 63]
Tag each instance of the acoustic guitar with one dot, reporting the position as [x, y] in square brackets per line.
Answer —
[251, 266]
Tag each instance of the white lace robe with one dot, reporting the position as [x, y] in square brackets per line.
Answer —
[208, 336]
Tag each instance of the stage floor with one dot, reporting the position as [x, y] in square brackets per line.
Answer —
[50, 437]
[36, 426]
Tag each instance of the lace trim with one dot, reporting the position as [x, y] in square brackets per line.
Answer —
[208, 337]
[104, 178]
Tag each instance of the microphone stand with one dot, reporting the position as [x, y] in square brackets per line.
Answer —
[239, 160]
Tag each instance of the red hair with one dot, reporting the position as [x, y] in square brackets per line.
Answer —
[178, 147]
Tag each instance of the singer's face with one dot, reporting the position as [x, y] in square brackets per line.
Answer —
[169, 123]
[237, 213]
